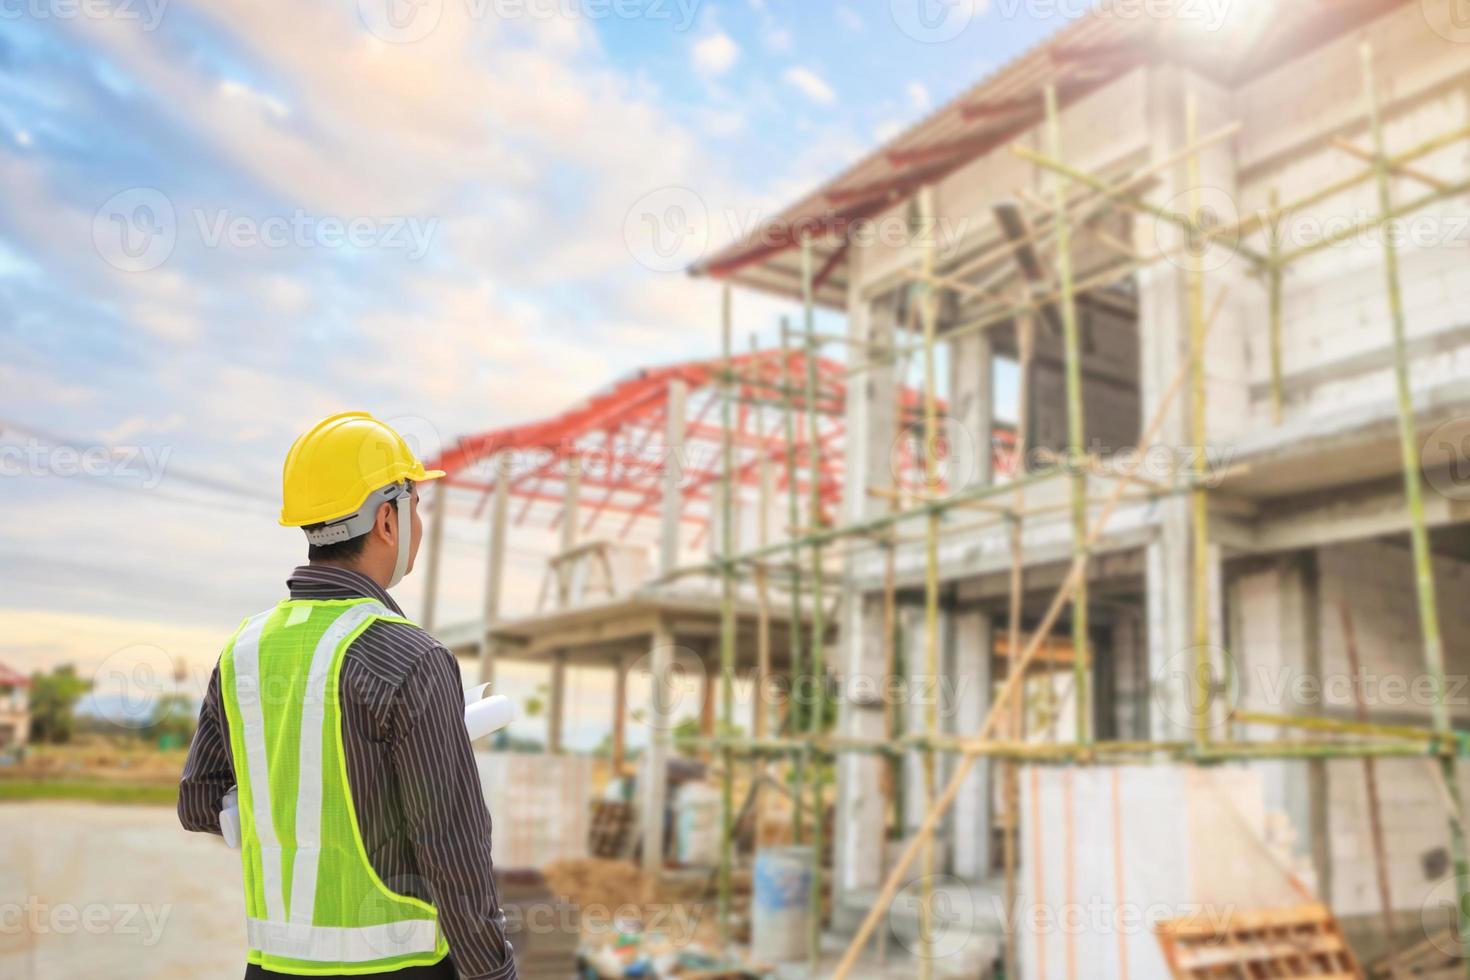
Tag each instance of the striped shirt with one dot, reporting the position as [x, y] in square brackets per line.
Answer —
[410, 769]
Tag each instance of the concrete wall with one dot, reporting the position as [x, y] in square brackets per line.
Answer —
[1335, 325]
[1375, 580]
[1111, 852]
[1293, 660]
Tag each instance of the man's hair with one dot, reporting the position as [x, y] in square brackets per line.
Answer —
[338, 550]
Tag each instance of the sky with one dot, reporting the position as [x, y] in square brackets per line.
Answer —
[222, 220]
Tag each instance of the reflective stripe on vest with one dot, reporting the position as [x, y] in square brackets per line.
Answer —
[247, 695]
[299, 921]
[335, 944]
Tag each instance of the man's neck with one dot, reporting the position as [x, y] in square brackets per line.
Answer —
[352, 566]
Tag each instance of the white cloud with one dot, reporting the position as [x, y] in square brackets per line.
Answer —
[166, 323]
[850, 18]
[715, 54]
[886, 130]
[918, 95]
[778, 40]
[721, 123]
[810, 84]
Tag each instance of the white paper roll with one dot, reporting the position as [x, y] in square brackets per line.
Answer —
[229, 819]
[489, 715]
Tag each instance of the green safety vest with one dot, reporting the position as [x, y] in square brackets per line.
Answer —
[313, 903]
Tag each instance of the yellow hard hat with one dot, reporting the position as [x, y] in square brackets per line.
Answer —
[334, 465]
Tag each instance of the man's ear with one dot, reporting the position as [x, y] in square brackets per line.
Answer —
[387, 522]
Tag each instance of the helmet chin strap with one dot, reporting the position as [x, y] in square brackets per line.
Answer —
[405, 535]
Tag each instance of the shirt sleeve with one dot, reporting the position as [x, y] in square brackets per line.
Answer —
[209, 772]
[447, 822]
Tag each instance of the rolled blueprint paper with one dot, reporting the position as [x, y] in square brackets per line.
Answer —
[229, 819]
[489, 715]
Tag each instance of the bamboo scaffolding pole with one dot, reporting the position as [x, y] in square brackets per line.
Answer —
[793, 514]
[1017, 673]
[727, 619]
[1073, 356]
[1052, 163]
[759, 721]
[760, 712]
[819, 633]
[868, 526]
[1370, 779]
[1383, 218]
[1073, 754]
[1257, 220]
[1413, 493]
[895, 724]
[928, 317]
[875, 532]
[1353, 149]
[1198, 495]
[1336, 727]
[1273, 284]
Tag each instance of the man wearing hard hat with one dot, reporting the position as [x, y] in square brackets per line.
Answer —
[340, 727]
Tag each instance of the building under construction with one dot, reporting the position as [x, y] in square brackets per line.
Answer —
[1213, 522]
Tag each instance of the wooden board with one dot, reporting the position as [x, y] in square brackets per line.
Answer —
[1295, 941]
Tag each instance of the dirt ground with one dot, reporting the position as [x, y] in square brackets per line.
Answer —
[88, 890]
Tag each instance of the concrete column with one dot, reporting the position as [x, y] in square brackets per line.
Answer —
[556, 709]
[1164, 349]
[653, 781]
[921, 686]
[435, 549]
[971, 408]
[872, 429]
[673, 494]
[1164, 342]
[620, 714]
[964, 699]
[494, 567]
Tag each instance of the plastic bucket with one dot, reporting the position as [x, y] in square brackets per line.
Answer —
[780, 917]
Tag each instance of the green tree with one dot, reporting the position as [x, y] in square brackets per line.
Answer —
[172, 720]
[53, 702]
